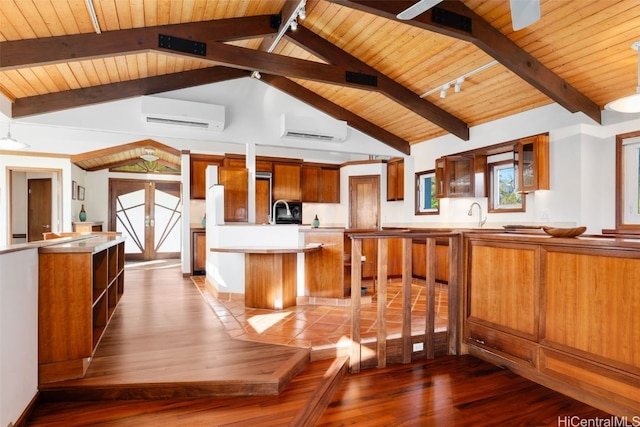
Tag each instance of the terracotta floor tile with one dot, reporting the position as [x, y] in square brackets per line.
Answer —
[320, 326]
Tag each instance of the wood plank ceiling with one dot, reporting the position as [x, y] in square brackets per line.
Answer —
[578, 55]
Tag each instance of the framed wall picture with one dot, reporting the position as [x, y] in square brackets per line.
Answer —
[74, 190]
[80, 192]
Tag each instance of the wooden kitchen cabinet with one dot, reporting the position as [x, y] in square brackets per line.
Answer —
[236, 193]
[263, 164]
[395, 179]
[80, 283]
[461, 175]
[532, 158]
[558, 311]
[419, 256]
[320, 183]
[198, 252]
[323, 270]
[199, 163]
[287, 181]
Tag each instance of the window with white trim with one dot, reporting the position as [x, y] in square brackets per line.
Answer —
[426, 201]
[503, 183]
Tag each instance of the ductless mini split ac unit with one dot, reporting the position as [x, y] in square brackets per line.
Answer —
[177, 112]
[314, 128]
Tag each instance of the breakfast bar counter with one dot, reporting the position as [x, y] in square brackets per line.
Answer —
[270, 274]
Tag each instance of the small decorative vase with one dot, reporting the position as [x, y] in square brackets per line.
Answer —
[316, 222]
[204, 221]
[82, 216]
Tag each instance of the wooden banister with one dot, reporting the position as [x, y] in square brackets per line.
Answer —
[406, 345]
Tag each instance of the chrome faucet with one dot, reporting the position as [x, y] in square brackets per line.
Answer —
[480, 220]
[272, 220]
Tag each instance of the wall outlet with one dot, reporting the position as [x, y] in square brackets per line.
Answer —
[418, 346]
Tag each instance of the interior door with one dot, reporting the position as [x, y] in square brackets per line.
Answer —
[39, 208]
[364, 208]
[148, 214]
[364, 201]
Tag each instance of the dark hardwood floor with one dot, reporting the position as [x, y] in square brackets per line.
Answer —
[166, 353]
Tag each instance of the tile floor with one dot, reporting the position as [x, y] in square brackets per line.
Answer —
[321, 326]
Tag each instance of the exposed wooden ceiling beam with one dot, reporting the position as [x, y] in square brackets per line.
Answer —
[41, 51]
[324, 49]
[112, 92]
[494, 43]
[336, 111]
[249, 59]
[288, 11]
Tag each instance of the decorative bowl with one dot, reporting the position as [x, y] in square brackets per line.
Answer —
[564, 232]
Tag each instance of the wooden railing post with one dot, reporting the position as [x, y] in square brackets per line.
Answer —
[407, 276]
[356, 272]
[381, 350]
[430, 324]
[455, 303]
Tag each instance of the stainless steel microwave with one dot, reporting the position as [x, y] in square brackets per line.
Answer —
[295, 209]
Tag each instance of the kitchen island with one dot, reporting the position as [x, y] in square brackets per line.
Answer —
[270, 274]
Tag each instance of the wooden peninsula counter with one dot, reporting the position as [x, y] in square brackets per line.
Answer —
[564, 312]
[270, 274]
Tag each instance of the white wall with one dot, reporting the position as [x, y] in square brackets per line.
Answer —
[18, 332]
[582, 169]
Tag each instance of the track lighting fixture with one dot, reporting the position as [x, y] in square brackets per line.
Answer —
[443, 91]
[290, 23]
[458, 84]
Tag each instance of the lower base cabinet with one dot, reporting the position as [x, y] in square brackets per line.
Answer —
[562, 312]
[198, 252]
[80, 284]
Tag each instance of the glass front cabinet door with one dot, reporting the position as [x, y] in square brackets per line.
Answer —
[533, 163]
[460, 176]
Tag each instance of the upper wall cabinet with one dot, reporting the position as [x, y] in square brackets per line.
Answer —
[532, 156]
[461, 176]
[287, 181]
[395, 179]
[236, 193]
[199, 163]
[320, 183]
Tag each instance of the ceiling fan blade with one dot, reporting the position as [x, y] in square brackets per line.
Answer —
[524, 13]
[418, 8]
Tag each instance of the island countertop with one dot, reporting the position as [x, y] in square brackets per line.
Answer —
[267, 249]
[89, 243]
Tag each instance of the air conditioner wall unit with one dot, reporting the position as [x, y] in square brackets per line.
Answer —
[183, 113]
[314, 128]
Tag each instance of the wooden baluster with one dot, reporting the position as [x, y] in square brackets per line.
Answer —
[429, 332]
[407, 346]
[381, 350]
[356, 272]
[455, 306]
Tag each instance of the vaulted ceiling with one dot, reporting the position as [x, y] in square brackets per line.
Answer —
[352, 59]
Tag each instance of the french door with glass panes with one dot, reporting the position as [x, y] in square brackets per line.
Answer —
[148, 214]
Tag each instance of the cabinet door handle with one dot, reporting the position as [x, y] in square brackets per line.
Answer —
[146, 221]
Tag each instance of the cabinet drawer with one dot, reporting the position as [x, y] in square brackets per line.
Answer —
[505, 345]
